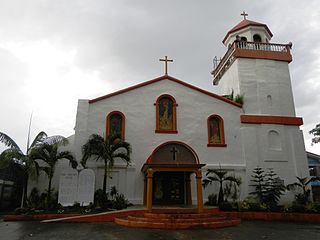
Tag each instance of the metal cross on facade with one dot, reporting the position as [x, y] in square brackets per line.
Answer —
[174, 153]
[244, 14]
[166, 60]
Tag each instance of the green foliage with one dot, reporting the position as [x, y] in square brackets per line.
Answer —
[239, 98]
[212, 200]
[258, 178]
[268, 187]
[15, 154]
[101, 199]
[316, 133]
[231, 191]
[226, 206]
[296, 207]
[273, 188]
[230, 96]
[47, 153]
[302, 185]
[220, 176]
[107, 150]
[119, 202]
[244, 205]
[23, 210]
[33, 201]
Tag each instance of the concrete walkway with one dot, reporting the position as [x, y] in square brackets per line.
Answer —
[254, 230]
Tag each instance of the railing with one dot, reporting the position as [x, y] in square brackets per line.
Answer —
[272, 47]
[220, 66]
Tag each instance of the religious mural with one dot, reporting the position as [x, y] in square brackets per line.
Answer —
[214, 131]
[115, 124]
[166, 114]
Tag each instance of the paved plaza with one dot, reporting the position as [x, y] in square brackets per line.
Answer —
[108, 231]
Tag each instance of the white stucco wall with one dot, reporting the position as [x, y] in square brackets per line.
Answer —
[138, 107]
[265, 84]
[248, 145]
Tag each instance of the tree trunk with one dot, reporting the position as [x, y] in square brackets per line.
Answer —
[49, 192]
[24, 191]
[220, 198]
[105, 180]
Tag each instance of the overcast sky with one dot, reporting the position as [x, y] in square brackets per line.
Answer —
[53, 53]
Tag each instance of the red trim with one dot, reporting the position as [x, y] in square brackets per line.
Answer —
[165, 77]
[174, 115]
[123, 123]
[216, 145]
[166, 131]
[222, 144]
[149, 160]
[258, 54]
[257, 119]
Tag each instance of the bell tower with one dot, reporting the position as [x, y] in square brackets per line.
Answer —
[257, 69]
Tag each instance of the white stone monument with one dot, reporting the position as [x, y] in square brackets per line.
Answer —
[68, 187]
[86, 182]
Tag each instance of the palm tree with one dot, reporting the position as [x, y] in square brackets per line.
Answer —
[219, 176]
[47, 154]
[107, 150]
[302, 184]
[14, 154]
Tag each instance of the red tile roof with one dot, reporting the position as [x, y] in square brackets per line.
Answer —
[245, 23]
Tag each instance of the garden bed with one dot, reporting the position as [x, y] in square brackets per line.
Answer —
[276, 216]
[37, 217]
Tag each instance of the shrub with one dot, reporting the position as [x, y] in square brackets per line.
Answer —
[297, 208]
[244, 205]
[33, 201]
[225, 206]
[119, 202]
[268, 187]
[101, 199]
[311, 207]
[212, 200]
[24, 210]
[239, 98]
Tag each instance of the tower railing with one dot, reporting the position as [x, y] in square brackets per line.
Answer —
[246, 49]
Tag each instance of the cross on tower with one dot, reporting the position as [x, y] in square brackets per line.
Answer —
[244, 14]
[174, 153]
[166, 60]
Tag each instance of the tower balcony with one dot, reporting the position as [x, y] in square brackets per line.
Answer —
[254, 50]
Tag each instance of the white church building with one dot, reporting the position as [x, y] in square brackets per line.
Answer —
[177, 131]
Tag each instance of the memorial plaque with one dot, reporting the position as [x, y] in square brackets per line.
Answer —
[86, 187]
[68, 188]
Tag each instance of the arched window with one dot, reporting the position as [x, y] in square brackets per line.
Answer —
[257, 38]
[215, 132]
[243, 39]
[243, 43]
[166, 118]
[274, 140]
[115, 124]
[269, 100]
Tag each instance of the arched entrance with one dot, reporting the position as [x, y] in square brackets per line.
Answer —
[168, 171]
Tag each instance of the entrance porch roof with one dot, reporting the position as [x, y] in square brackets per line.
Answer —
[171, 167]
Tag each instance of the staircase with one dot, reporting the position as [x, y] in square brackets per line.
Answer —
[177, 220]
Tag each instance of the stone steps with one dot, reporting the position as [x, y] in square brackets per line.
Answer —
[177, 221]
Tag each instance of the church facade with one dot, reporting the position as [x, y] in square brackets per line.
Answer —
[177, 131]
